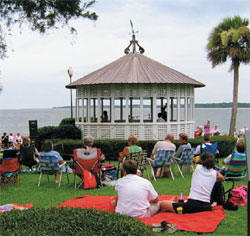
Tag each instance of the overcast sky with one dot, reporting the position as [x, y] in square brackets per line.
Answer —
[172, 32]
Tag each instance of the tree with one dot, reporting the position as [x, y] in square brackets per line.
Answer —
[40, 15]
[230, 40]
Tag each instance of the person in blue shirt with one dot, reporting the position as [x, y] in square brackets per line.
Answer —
[47, 150]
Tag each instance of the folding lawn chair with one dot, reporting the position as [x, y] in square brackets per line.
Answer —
[140, 158]
[87, 159]
[27, 156]
[9, 172]
[49, 165]
[163, 158]
[186, 158]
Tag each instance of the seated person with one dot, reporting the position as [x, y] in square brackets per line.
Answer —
[28, 158]
[237, 161]
[203, 146]
[88, 142]
[136, 196]
[198, 131]
[203, 181]
[104, 116]
[183, 138]
[167, 144]
[215, 131]
[132, 147]
[47, 150]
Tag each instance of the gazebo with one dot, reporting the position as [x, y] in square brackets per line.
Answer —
[128, 96]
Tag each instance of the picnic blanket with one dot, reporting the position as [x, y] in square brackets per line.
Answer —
[14, 206]
[203, 222]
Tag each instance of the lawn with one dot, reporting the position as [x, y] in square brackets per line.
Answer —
[49, 195]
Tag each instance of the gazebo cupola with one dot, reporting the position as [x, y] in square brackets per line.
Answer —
[131, 92]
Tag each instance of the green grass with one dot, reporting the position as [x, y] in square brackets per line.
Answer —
[49, 195]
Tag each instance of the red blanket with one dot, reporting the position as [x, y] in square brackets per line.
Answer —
[204, 222]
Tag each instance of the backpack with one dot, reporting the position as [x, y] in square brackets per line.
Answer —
[237, 196]
[90, 179]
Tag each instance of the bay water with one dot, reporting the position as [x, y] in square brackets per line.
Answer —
[17, 120]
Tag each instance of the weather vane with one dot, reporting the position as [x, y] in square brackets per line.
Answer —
[133, 42]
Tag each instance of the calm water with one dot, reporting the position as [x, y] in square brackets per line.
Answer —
[18, 120]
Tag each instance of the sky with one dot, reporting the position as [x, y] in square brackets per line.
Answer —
[174, 33]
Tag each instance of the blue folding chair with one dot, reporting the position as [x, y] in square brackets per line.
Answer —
[49, 165]
[163, 158]
[186, 158]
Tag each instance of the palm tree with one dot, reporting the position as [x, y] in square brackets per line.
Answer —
[230, 40]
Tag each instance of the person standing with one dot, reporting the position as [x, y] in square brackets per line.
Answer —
[207, 127]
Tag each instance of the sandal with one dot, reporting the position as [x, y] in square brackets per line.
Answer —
[164, 226]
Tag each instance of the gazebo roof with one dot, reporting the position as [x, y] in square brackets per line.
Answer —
[135, 68]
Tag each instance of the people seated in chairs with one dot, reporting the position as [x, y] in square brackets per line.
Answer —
[198, 132]
[28, 154]
[167, 144]
[47, 150]
[183, 140]
[236, 162]
[203, 181]
[206, 146]
[132, 147]
[136, 196]
[88, 142]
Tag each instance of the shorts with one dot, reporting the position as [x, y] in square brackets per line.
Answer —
[153, 209]
[193, 206]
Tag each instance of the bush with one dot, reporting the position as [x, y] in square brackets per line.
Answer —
[70, 221]
[67, 121]
[66, 130]
[112, 147]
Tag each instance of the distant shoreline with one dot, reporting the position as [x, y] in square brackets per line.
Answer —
[200, 105]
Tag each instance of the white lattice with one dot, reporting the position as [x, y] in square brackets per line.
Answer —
[85, 92]
[93, 91]
[182, 91]
[173, 130]
[162, 90]
[182, 128]
[105, 132]
[84, 130]
[79, 92]
[148, 131]
[105, 91]
[147, 91]
[119, 132]
[173, 91]
[162, 132]
[134, 90]
[93, 132]
[119, 91]
[188, 89]
[134, 130]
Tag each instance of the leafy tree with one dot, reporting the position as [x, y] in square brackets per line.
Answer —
[230, 40]
[40, 15]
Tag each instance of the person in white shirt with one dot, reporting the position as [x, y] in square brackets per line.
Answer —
[136, 196]
[203, 181]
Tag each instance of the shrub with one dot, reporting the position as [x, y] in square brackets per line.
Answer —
[112, 147]
[67, 121]
[70, 221]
